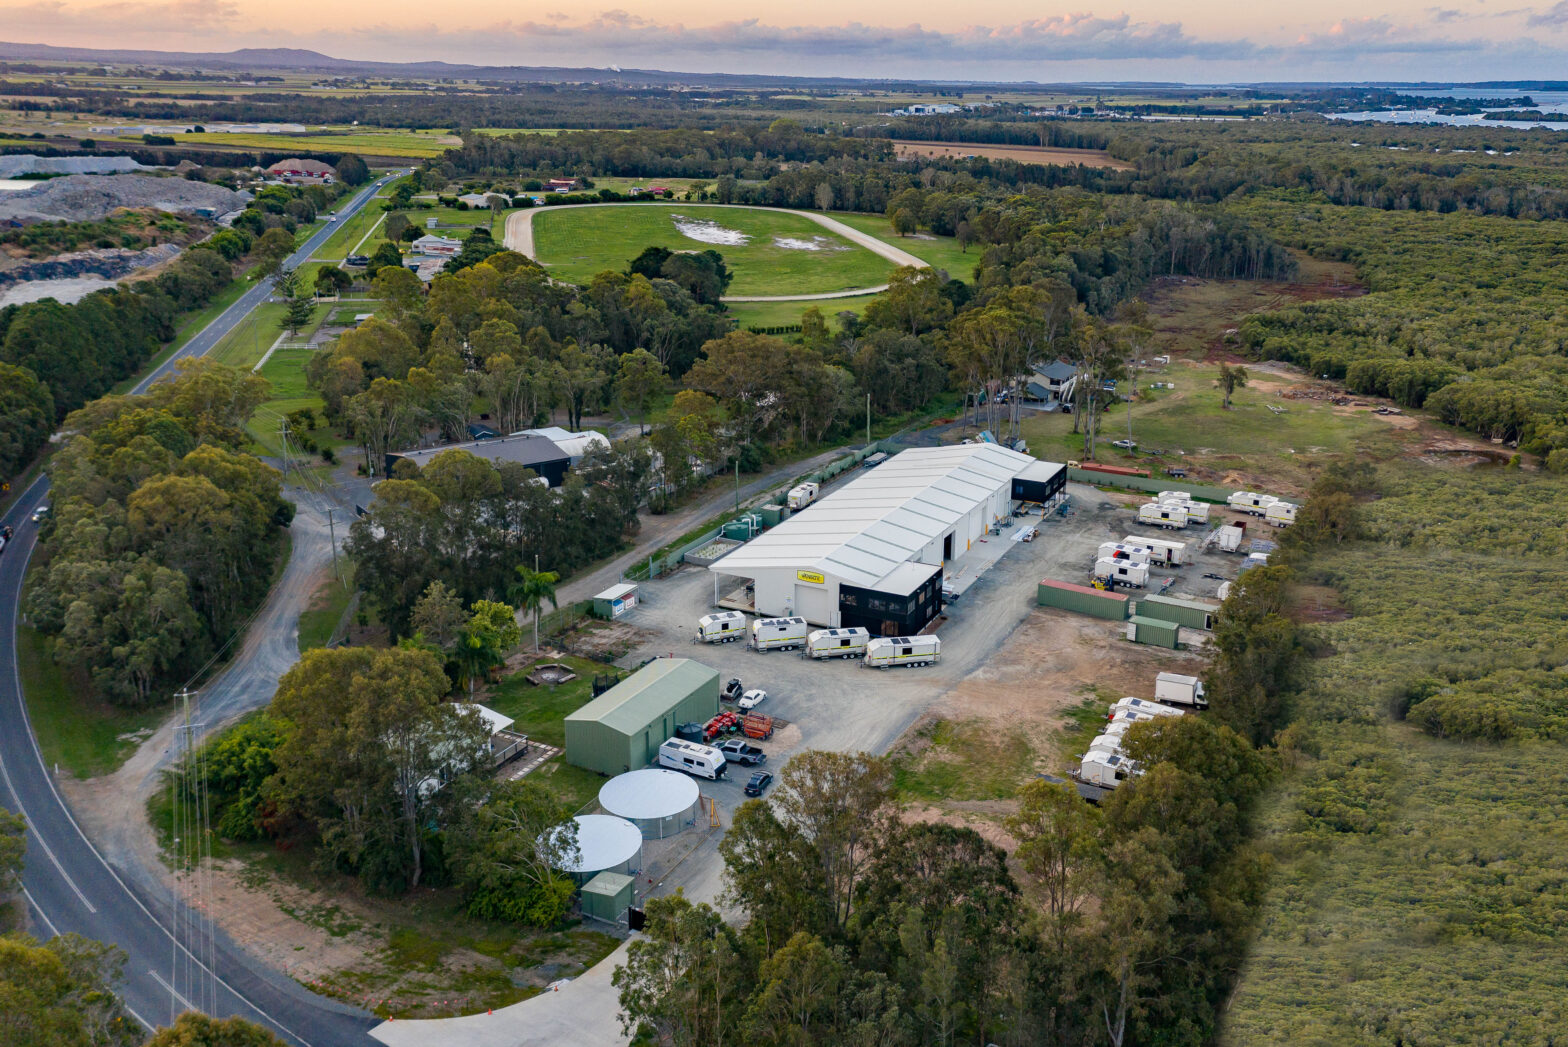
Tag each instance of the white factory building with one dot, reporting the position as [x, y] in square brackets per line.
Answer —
[871, 553]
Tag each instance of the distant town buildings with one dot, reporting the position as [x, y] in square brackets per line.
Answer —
[303, 172]
[432, 245]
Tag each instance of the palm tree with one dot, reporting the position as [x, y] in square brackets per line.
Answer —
[532, 590]
[474, 656]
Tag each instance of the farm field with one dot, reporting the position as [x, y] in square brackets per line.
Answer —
[577, 243]
[367, 144]
[1024, 154]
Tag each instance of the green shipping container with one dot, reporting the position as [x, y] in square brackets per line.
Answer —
[1152, 631]
[607, 896]
[1083, 599]
[1194, 614]
[622, 729]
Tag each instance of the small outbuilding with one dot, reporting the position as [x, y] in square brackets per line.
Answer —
[608, 895]
[615, 601]
[659, 801]
[604, 844]
[622, 729]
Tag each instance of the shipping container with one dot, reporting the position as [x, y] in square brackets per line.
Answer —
[1082, 599]
[1152, 631]
[1194, 614]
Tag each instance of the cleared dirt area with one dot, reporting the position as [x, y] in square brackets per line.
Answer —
[1024, 154]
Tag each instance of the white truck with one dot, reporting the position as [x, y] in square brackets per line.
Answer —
[887, 651]
[802, 495]
[1144, 705]
[1280, 514]
[720, 627]
[778, 634]
[1118, 551]
[1251, 502]
[1107, 770]
[1162, 551]
[1123, 572]
[836, 643]
[1176, 689]
[704, 761]
[1158, 515]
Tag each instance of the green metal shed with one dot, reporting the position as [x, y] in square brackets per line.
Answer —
[607, 895]
[1194, 614]
[1083, 599]
[1152, 631]
[622, 729]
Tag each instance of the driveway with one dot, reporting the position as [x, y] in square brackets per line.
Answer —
[519, 237]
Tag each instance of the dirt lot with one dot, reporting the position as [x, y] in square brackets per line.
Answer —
[1024, 154]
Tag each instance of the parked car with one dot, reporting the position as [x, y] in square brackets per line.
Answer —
[949, 594]
[1126, 445]
[40, 514]
[752, 698]
[740, 752]
[732, 690]
[758, 783]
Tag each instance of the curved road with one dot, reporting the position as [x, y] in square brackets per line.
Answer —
[519, 237]
[67, 884]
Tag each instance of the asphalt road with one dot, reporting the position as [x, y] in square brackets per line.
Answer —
[67, 884]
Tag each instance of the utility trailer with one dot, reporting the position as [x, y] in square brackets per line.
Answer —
[837, 643]
[888, 651]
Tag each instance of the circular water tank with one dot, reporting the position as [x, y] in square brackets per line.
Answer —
[660, 802]
[604, 844]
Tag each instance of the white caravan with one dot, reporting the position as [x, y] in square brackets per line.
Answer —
[1162, 551]
[720, 627]
[803, 495]
[1144, 705]
[1124, 572]
[704, 761]
[888, 651]
[1118, 551]
[1251, 502]
[1106, 770]
[1157, 515]
[1280, 514]
[778, 634]
[836, 643]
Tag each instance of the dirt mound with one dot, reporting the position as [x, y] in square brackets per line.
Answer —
[86, 198]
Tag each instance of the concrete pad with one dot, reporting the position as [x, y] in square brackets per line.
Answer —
[584, 1012]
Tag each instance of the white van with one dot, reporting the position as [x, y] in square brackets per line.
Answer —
[1251, 502]
[836, 643]
[888, 651]
[1162, 551]
[803, 495]
[1125, 572]
[1160, 515]
[1118, 551]
[704, 761]
[778, 634]
[720, 627]
[1280, 514]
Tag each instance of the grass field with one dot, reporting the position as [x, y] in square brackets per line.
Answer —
[317, 622]
[578, 243]
[942, 252]
[540, 713]
[421, 144]
[81, 735]
[782, 314]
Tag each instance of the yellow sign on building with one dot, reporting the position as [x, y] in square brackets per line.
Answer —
[810, 576]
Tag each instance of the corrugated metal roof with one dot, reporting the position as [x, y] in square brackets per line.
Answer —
[647, 694]
[883, 517]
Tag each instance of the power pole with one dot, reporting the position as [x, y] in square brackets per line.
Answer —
[283, 443]
[737, 482]
[868, 419]
[332, 531]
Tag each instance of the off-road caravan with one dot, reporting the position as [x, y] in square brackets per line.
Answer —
[1162, 551]
[704, 761]
[1251, 502]
[1280, 514]
[888, 651]
[1197, 512]
[802, 495]
[1157, 514]
[837, 643]
[1118, 551]
[1123, 572]
[1107, 743]
[778, 634]
[1144, 705]
[720, 627]
[1107, 770]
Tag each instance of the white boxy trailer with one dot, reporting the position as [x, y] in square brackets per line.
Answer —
[720, 627]
[1144, 705]
[888, 651]
[1197, 512]
[1119, 551]
[1176, 689]
[837, 643]
[1159, 515]
[1162, 551]
[704, 761]
[1107, 770]
[1229, 538]
[1251, 502]
[1125, 572]
[1106, 743]
[802, 495]
[778, 634]
[1280, 514]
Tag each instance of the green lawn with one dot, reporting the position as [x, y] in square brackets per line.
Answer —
[365, 143]
[578, 242]
[77, 732]
[964, 760]
[540, 713]
[782, 314]
[251, 337]
[317, 621]
[942, 252]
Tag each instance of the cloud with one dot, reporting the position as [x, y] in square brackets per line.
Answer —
[135, 18]
[1556, 15]
[1358, 39]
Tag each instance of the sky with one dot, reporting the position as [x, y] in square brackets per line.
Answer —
[1202, 41]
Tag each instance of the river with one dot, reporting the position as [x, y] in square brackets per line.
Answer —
[1546, 101]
